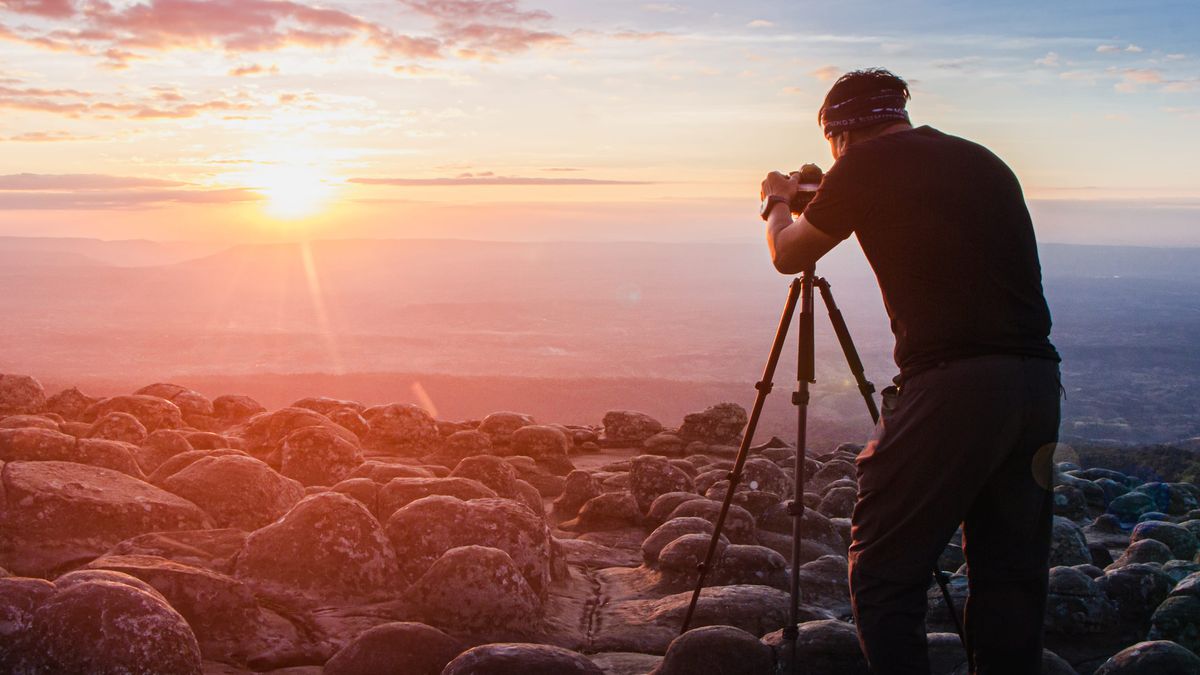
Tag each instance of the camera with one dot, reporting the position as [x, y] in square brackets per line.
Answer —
[809, 176]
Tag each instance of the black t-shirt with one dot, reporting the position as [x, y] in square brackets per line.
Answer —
[944, 225]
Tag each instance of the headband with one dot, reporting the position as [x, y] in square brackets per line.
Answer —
[863, 111]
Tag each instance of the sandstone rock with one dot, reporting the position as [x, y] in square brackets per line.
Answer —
[831, 471]
[221, 611]
[1129, 507]
[29, 421]
[721, 423]
[325, 405]
[318, 456]
[664, 444]
[1177, 619]
[716, 650]
[1069, 502]
[19, 598]
[1179, 539]
[159, 447]
[236, 408]
[352, 421]
[399, 647]
[499, 426]
[188, 401]
[32, 444]
[1136, 590]
[663, 505]
[265, 431]
[491, 471]
[85, 576]
[382, 472]
[628, 427]
[1144, 551]
[213, 549]
[520, 659]
[824, 646]
[1068, 546]
[823, 582]
[651, 476]
[578, 488]
[207, 440]
[328, 546]
[477, 589]
[364, 490]
[838, 502]
[461, 445]
[1077, 606]
[539, 442]
[176, 463]
[1157, 657]
[739, 524]
[153, 412]
[103, 627]
[671, 530]
[236, 491]
[1190, 585]
[609, 511]
[423, 530]
[118, 426]
[684, 553]
[401, 429]
[20, 395]
[1174, 499]
[400, 492]
[61, 513]
[70, 403]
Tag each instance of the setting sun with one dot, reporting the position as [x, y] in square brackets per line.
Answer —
[292, 192]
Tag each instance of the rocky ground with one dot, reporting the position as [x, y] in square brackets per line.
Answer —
[166, 532]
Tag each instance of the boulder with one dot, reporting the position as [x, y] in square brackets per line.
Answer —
[34, 443]
[213, 549]
[651, 476]
[671, 530]
[236, 491]
[1158, 657]
[58, 514]
[423, 530]
[118, 426]
[477, 590]
[716, 650]
[1068, 546]
[461, 445]
[1144, 551]
[520, 659]
[1136, 590]
[235, 408]
[325, 405]
[101, 627]
[21, 395]
[398, 647]
[1177, 619]
[628, 427]
[838, 502]
[318, 456]
[684, 554]
[159, 447]
[721, 423]
[264, 432]
[608, 511]
[364, 490]
[176, 463]
[382, 472]
[221, 611]
[1076, 606]
[664, 444]
[153, 412]
[327, 547]
[492, 471]
[27, 421]
[1069, 502]
[540, 442]
[823, 582]
[1179, 539]
[823, 646]
[1130, 506]
[663, 505]
[746, 564]
[1175, 499]
[401, 429]
[739, 524]
[499, 426]
[830, 472]
[69, 403]
[19, 598]
[578, 488]
[189, 402]
[400, 492]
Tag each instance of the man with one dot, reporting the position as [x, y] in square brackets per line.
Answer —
[944, 225]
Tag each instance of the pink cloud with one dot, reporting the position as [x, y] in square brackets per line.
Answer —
[52, 8]
[47, 137]
[253, 69]
[488, 178]
[476, 10]
[80, 181]
[121, 199]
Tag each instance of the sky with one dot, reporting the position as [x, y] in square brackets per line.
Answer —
[255, 120]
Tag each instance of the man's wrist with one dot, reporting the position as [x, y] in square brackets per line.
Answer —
[778, 218]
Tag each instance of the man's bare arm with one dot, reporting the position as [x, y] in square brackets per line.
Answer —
[795, 244]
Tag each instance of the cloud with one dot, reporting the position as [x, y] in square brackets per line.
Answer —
[250, 70]
[47, 137]
[49, 8]
[826, 73]
[760, 23]
[1114, 49]
[488, 178]
[121, 199]
[476, 10]
[484, 29]
[80, 181]
[1050, 60]
[663, 8]
[1133, 78]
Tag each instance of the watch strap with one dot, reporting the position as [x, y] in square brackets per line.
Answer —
[769, 204]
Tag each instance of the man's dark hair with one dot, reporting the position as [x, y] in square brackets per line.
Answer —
[861, 82]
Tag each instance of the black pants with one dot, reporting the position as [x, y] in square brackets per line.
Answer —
[970, 442]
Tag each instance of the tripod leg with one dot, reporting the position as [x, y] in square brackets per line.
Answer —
[865, 387]
[764, 387]
[805, 375]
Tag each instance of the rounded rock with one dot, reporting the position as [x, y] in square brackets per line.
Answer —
[20, 395]
[1158, 657]
[520, 659]
[476, 589]
[1179, 539]
[716, 650]
[401, 428]
[399, 647]
[236, 491]
[318, 456]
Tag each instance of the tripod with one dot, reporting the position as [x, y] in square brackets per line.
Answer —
[801, 289]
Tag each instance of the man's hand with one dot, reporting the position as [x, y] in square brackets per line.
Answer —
[778, 184]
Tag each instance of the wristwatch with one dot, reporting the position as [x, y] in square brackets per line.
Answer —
[769, 203]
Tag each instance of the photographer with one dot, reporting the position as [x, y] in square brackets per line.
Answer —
[969, 437]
